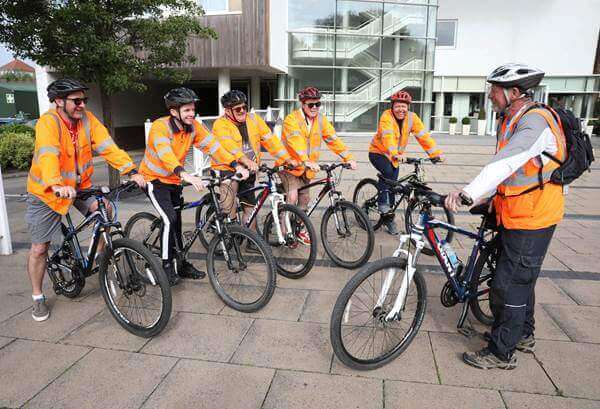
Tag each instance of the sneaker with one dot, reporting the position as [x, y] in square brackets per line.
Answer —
[303, 237]
[171, 274]
[525, 344]
[189, 271]
[485, 359]
[252, 248]
[392, 228]
[40, 311]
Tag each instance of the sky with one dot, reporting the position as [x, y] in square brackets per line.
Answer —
[6, 56]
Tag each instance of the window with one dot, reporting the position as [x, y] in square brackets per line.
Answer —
[446, 33]
[211, 6]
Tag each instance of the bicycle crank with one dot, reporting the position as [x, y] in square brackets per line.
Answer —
[448, 295]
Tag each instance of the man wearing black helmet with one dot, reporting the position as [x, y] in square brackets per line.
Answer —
[170, 139]
[62, 164]
[527, 208]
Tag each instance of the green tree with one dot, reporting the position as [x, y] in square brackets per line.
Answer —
[116, 44]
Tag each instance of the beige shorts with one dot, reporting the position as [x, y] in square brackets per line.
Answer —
[291, 182]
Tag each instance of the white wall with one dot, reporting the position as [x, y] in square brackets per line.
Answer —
[278, 38]
[558, 36]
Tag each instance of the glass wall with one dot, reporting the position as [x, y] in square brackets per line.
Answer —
[359, 53]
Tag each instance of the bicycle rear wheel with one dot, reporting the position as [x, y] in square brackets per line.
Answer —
[206, 217]
[484, 270]
[361, 336]
[145, 228]
[244, 280]
[365, 196]
[294, 259]
[347, 236]
[411, 217]
[135, 288]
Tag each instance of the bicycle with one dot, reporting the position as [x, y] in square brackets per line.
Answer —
[281, 226]
[243, 281]
[134, 287]
[386, 300]
[366, 196]
[342, 238]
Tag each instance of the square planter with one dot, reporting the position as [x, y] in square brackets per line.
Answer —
[452, 129]
[466, 129]
[481, 127]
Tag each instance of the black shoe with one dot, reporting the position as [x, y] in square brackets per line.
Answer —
[252, 248]
[188, 270]
[525, 344]
[391, 227]
[171, 274]
[485, 359]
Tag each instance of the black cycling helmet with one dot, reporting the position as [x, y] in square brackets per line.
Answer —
[63, 87]
[511, 75]
[180, 96]
[233, 98]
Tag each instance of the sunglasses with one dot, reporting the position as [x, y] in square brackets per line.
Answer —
[79, 101]
[240, 109]
[311, 105]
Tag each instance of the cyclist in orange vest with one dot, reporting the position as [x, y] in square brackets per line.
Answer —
[303, 131]
[527, 207]
[62, 163]
[389, 143]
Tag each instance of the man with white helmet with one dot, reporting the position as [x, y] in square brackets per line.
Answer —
[527, 205]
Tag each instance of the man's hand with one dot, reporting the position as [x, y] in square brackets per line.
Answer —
[242, 171]
[437, 159]
[312, 166]
[193, 180]
[139, 179]
[453, 200]
[398, 158]
[353, 165]
[249, 164]
[65, 192]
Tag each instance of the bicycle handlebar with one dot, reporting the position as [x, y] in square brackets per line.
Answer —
[103, 190]
[332, 166]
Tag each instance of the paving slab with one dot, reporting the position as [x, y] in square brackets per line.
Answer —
[414, 364]
[200, 336]
[319, 278]
[579, 322]
[585, 292]
[547, 292]
[5, 341]
[286, 345]
[29, 366]
[319, 306]
[110, 379]
[103, 331]
[192, 296]
[286, 304]
[515, 400]
[65, 316]
[301, 390]
[207, 385]
[408, 395]
[448, 350]
[11, 305]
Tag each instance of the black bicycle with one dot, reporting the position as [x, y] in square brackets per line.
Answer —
[366, 196]
[347, 235]
[132, 281]
[380, 310]
[281, 226]
[243, 279]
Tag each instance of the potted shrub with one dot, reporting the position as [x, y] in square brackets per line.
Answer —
[589, 129]
[452, 125]
[481, 122]
[466, 125]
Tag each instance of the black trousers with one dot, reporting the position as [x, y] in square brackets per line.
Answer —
[164, 198]
[512, 292]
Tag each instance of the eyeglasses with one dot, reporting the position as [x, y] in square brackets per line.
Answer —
[311, 105]
[79, 101]
[240, 109]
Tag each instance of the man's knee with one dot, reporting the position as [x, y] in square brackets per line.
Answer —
[39, 250]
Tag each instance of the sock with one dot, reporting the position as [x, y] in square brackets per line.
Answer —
[37, 297]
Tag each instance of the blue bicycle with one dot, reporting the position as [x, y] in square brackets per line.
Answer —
[380, 310]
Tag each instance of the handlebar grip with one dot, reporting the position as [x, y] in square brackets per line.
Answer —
[467, 201]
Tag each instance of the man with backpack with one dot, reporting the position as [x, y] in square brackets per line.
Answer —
[527, 175]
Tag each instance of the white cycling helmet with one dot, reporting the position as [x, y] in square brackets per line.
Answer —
[517, 75]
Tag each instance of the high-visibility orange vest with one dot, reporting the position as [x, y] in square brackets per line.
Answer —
[304, 144]
[518, 208]
[167, 148]
[55, 156]
[259, 133]
[390, 140]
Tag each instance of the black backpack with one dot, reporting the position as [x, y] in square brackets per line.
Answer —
[580, 153]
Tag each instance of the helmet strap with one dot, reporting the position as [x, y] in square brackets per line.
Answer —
[232, 118]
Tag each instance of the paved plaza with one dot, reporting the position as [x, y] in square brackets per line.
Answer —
[210, 356]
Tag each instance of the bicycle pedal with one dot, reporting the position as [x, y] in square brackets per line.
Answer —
[468, 332]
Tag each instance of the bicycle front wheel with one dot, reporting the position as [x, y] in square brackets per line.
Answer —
[135, 288]
[241, 269]
[294, 258]
[411, 217]
[347, 235]
[361, 334]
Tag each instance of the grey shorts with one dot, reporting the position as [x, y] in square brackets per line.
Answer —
[44, 222]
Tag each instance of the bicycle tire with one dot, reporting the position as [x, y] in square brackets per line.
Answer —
[204, 216]
[487, 258]
[341, 312]
[408, 223]
[137, 283]
[368, 204]
[235, 236]
[275, 245]
[340, 208]
[148, 238]
[77, 277]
